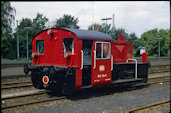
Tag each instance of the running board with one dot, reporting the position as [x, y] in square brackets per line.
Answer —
[118, 81]
[84, 87]
[126, 80]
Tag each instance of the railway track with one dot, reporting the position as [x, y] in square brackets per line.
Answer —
[143, 108]
[18, 101]
[43, 97]
[11, 85]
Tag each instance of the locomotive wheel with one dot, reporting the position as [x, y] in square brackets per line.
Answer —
[116, 75]
[55, 88]
[37, 80]
[57, 84]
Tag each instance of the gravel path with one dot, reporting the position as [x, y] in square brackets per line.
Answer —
[116, 102]
[12, 71]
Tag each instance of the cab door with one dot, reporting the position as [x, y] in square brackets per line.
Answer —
[101, 63]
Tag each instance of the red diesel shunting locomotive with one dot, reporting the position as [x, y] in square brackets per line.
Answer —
[66, 60]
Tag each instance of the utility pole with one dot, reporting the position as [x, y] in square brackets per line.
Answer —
[106, 22]
[18, 55]
[159, 46]
[93, 15]
[27, 28]
[113, 21]
[27, 45]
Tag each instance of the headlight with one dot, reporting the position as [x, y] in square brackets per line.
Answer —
[32, 55]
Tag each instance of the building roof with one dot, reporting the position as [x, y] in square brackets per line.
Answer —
[87, 34]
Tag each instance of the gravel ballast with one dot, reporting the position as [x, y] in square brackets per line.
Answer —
[114, 102]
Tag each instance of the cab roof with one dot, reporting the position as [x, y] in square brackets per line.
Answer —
[87, 34]
[84, 34]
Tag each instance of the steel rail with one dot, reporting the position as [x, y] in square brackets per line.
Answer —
[26, 95]
[158, 71]
[148, 106]
[35, 102]
[42, 93]
[151, 78]
[16, 85]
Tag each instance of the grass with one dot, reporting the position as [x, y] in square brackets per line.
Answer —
[22, 59]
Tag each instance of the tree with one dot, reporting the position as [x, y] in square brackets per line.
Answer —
[96, 27]
[6, 45]
[115, 32]
[36, 25]
[66, 21]
[25, 22]
[7, 18]
[164, 42]
[150, 40]
[101, 28]
[168, 43]
[39, 23]
[22, 34]
[132, 37]
[119, 31]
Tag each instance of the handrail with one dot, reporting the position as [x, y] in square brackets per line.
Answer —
[111, 62]
[135, 66]
[94, 59]
[81, 59]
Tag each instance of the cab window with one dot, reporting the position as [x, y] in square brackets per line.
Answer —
[68, 45]
[40, 46]
[102, 50]
[106, 50]
[98, 50]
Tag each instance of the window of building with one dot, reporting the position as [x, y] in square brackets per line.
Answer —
[40, 46]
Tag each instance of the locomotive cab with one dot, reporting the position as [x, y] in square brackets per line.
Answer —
[66, 60]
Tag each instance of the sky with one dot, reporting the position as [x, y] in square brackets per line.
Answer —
[134, 16]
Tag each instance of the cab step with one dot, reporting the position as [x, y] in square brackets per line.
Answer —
[84, 87]
[126, 80]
